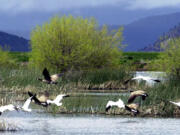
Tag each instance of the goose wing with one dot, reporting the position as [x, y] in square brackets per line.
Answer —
[58, 98]
[27, 103]
[131, 98]
[46, 74]
[36, 100]
[177, 104]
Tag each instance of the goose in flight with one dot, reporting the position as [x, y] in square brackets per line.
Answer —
[38, 101]
[49, 79]
[9, 107]
[130, 107]
[145, 78]
[137, 93]
[57, 100]
[175, 103]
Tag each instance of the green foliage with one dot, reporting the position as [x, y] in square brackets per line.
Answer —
[169, 60]
[5, 59]
[20, 56]
[74, 43]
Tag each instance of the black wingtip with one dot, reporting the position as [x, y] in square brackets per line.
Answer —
[107, 108]
[67, 96]
[156, 80]
[30, 94]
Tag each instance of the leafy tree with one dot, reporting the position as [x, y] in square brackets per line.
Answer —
[74, 43]
[169, 60]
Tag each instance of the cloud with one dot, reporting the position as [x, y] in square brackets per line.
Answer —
[51, 5]
[16, 6]
[150, 4]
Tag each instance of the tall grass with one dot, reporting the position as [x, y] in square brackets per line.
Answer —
[23, 79]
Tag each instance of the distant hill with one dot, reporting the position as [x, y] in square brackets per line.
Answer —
[146, 31]
[171, 34]
[14, 42]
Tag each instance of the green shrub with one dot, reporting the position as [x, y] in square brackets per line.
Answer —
[74, 43]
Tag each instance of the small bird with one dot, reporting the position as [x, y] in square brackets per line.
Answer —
[130, 107]
[57, 100]
[9, 107]
[37, 101]
[137, 93]
[50, 79]
[145, 78]
[175, 103]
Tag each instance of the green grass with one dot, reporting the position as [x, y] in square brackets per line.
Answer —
[22, 79]
[20, 56]
[136, 56]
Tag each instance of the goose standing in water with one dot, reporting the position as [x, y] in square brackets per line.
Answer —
[50, 79]
[137, 93]
[9, 107]
[57, 100]
[130, 107]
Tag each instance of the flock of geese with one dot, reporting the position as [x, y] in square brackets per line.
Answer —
[130, 106]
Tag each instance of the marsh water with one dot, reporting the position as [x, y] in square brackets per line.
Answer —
[68, 124]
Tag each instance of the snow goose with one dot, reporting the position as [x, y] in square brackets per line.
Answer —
[130, 107]
[57, 100]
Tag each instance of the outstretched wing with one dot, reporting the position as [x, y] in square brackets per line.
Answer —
[36, 100]
[58, 98]
[27, 103]
[46, 74]
[131, 98]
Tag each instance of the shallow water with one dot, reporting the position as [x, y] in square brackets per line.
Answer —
[68, 124]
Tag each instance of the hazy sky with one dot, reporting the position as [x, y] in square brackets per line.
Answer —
[17, 6]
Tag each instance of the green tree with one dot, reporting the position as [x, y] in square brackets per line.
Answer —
[169, 60]
[73, 42]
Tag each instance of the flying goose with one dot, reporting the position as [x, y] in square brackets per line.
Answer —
[9, 107]
[145, 78]
[137, 93]
[50, 79]
[37, 100]
[175, 103]
[130, 107]
[57, 100]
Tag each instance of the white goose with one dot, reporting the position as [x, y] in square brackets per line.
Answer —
[130, 107]
[118, 103]
[145, 78]
[9, 107]
[57, 100]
